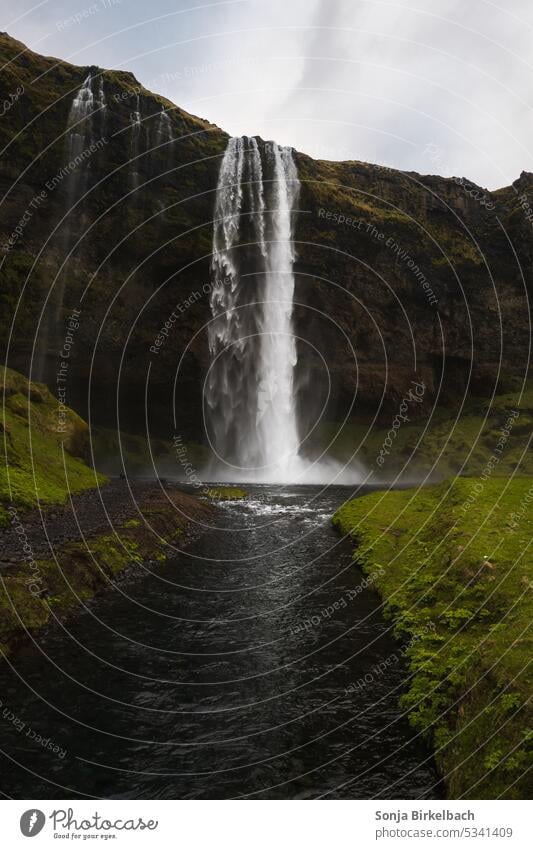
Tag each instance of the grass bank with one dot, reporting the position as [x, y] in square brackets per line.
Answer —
[41, 451]
[454, 566]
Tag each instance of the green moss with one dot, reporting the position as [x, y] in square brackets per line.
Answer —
[40, 461]
[225, 493]
[451, 564]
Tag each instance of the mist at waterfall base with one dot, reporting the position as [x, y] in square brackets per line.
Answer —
[250, 398]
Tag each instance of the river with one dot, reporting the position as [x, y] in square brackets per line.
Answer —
[257, 665]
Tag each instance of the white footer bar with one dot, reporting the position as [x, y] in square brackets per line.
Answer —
[266, 824]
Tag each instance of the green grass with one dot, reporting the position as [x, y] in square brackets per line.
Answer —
[453, 443]
[454, 567]
[34, 468]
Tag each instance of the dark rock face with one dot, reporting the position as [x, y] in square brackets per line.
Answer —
[419, 277]
[399, 277]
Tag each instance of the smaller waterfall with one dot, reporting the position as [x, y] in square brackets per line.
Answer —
[86, 120]
[82, 108]
[81, 119]
[136, 130]
[163, 129]
[101, 101]
[86, 123]
[161, 148]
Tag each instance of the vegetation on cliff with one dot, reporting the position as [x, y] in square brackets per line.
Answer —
[115, 452]
[45, 446]
[486, 436]
[454, 567]
[42, 448]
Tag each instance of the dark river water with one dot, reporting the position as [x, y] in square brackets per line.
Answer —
[235, 670]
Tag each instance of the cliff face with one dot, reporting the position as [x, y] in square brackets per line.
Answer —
[115, 254]
[399, 277]
[423, 275]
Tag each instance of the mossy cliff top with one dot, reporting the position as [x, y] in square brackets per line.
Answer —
[454, 567]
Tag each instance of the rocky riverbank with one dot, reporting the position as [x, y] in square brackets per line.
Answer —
[52, 562]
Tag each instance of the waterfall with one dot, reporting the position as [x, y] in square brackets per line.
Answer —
[162, 147]
[136, 127]
[276, 406]
[81, 119]
[163, 130]
[249, 395]
[250, 400]
[85, 120]
[82, 107]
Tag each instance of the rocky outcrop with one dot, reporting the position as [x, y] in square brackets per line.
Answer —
[399, 276]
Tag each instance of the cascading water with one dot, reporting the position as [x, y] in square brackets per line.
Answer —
[136, 127]
[87, 104]
[250, 400]
[86, 117]
[162, 147]
[82, 107]
[163, 130]
[276, 425]
[249, 391]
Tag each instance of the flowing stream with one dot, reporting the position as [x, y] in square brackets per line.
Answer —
[257, 664]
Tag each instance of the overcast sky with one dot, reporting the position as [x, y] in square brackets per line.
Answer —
[435, 86]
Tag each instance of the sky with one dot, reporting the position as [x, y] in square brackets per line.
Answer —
[434, 86]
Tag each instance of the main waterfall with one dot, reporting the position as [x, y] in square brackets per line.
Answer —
[250, 398]
[249, 391]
